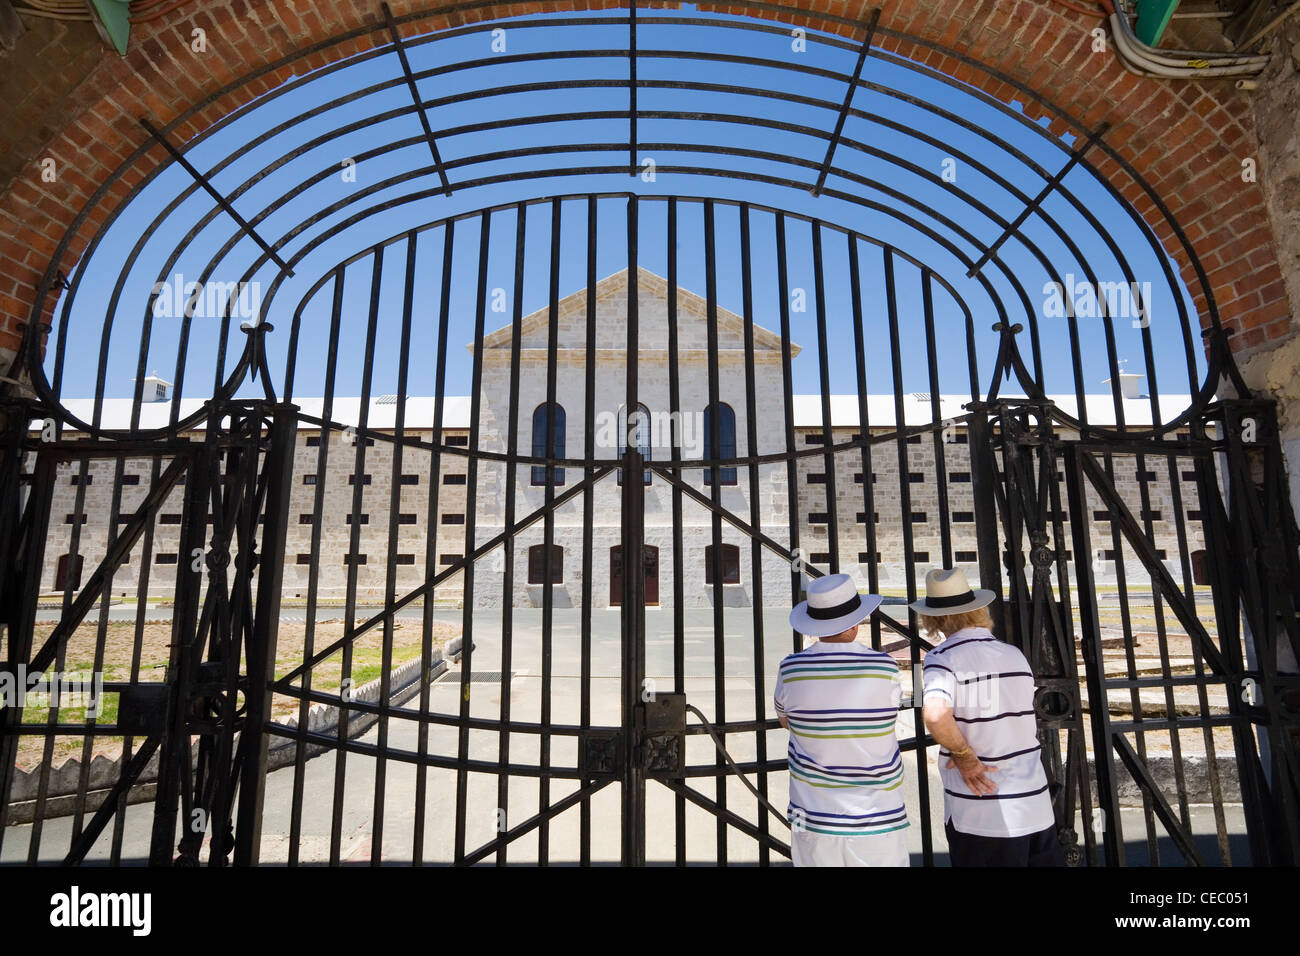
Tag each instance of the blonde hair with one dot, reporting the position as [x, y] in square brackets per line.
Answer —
[947, 624]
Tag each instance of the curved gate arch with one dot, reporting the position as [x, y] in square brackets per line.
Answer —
[966, 260]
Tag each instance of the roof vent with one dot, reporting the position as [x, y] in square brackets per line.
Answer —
[386, 400]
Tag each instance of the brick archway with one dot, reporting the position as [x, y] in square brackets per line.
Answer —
[1035, 53]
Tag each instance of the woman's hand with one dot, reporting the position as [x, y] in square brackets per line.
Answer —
[974, 774]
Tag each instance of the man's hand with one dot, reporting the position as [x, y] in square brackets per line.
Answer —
[974, 773]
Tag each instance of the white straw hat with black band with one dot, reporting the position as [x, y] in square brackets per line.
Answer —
[833, 606]
[948, 592]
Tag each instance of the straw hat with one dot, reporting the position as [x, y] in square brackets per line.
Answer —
[948, 592]
[833, 606]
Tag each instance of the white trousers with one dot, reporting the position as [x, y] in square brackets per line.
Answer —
[822, 849]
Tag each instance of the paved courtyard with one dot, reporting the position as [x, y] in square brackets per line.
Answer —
[357, 831]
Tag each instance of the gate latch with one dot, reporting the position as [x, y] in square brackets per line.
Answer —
[663, 743]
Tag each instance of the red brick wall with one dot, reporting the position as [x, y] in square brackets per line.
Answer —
[1187, 140]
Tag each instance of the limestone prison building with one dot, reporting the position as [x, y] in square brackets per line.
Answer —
[412, 535]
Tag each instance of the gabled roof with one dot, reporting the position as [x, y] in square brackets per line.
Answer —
[652, 324]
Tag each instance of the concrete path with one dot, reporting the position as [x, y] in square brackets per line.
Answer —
[358, 836]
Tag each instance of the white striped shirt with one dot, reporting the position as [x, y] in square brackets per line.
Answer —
[990, 688]
[840, 700]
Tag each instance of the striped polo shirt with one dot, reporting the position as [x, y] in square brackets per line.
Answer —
[990, 688]
[846, 774]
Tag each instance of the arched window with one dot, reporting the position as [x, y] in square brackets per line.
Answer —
[726, 417]
[541, 449]
[640, 426]
[730, 564]
[537, 564]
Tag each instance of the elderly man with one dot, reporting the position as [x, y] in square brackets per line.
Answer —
[979, 707]
[839, 700]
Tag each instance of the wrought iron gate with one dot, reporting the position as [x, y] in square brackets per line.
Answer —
[272, 747]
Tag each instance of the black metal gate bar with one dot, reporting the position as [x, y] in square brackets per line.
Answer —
[867, 474]
[633, 551]
[1266, 543]
[471, 511]
[588, 510]
[1107, 824]
[905, 516]
[439, 358]
[400, 49]
[261, 648]
[73, 611]
[824, 384]
[756, 521]
[508, 543]
[548, 530]
[390, 569]
[872, 20]
[313, 570]
[679, 582]
[713, 477]
[797, 557]
[1198, 664]
[354, 551]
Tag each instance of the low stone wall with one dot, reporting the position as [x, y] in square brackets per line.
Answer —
[404, 683]
[103, 772]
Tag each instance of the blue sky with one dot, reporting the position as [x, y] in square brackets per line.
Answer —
[261, 175]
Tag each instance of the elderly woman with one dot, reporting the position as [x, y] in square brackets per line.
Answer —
[979, 707]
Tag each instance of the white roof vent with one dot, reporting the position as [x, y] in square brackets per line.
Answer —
[1128, 383]
[386, 400]
[155, 389]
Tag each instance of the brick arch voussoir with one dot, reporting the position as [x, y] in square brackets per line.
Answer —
[1186, 140]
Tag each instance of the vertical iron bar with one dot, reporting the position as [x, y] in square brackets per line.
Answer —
[588, 511]
[715, 482]
[905, 506]
[508, 543]
[313, 571]
[431, 531]
[471, 510]
[261, 659]
[1094, 665]
[679, 583]
[548, 532]
[633, 611]
[756, 522]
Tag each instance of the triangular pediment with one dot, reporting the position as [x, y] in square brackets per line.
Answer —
[652, 320]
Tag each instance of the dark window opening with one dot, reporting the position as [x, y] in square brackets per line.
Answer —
[537, 564]
[548, 426]
[726, 416]
[730, 564]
